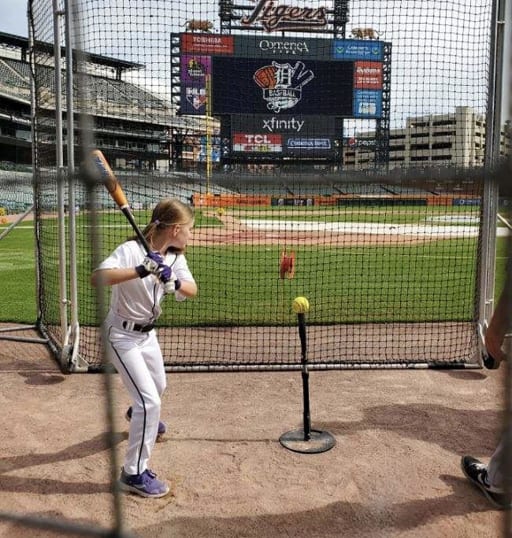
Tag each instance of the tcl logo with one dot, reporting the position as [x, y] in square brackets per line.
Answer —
[245, 138]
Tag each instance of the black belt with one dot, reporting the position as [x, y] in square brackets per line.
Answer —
[136, 327]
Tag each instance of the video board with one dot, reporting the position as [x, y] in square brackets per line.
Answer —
[260, 85]
[253, 79]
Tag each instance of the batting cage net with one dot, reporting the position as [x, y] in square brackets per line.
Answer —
[331, 150]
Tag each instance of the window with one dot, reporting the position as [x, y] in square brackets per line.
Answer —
[419, 146]
[442, 145]
[444, 133]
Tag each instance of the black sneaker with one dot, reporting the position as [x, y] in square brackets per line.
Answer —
[476, 471]
[490, 362]
[162, 428]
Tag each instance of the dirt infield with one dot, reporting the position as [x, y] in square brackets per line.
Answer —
[394, 471]
[235, 232]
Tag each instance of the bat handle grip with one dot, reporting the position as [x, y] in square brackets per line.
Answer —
[128, 214]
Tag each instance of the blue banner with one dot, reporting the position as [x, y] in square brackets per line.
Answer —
[367, 103]
[358, 49]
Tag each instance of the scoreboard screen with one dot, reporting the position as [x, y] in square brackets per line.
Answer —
[260, 85]
[269, 86]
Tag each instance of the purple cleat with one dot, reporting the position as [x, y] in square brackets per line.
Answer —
[145, 484]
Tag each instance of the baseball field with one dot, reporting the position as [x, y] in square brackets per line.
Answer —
[394, 470]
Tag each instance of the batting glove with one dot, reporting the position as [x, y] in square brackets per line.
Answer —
[150, 265]
[164, 272]
[168, 279]
[171, 286]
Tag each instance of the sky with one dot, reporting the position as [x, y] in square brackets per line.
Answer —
[14, 17]
[13, 20]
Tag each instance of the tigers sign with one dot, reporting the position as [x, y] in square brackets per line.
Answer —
[283, 17]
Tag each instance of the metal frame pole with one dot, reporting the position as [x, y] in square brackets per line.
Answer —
[74, 329]
[63, 291]
[505, 15]
[85, 120]
[487, 269]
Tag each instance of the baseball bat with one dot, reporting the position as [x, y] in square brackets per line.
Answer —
[101, 168]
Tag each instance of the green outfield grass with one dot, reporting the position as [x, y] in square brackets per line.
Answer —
[390, 285]
[18, 276]
[239, 285]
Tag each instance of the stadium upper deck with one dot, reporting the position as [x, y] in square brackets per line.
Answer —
[133, 125]
[135, 129]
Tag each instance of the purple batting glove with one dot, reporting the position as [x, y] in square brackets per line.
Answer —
[168, 279]
[164, 273]
[150, 264]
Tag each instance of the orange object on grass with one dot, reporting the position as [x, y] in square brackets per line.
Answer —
[287, 265]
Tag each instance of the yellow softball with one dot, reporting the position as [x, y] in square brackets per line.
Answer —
[300, 305]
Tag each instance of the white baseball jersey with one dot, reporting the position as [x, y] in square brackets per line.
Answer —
[138, 300]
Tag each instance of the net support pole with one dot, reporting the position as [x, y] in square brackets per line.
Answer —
[492, 152]
[63, 290]
[306, 440]
[74, 328]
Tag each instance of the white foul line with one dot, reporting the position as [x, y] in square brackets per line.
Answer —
[365, 228]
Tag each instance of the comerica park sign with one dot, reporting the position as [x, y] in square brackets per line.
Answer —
[284, 17]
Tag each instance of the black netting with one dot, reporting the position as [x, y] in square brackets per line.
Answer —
[344, 142]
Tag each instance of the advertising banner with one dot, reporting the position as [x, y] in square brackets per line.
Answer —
[358, 49]
[296, 125]
[194, 71]
[195, 68]
[367, 104]
[368, 75]
[299, 136]
[203, 43]
[257, 143]
[270, 46]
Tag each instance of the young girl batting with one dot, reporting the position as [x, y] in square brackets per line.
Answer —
[139, 283]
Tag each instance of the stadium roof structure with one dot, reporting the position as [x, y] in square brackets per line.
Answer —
[22, 43]
[111, 96]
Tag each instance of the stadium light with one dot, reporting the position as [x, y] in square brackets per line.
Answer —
[225, 9]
